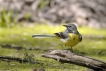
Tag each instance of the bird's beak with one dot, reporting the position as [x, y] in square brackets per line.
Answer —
[65, 25]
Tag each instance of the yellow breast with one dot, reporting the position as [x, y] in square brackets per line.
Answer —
[72, 40]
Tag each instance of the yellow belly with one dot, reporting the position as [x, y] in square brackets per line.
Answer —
[72, 41]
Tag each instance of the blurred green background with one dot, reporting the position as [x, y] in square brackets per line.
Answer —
[18, 23]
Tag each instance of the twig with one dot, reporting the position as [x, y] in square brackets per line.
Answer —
[21, 60]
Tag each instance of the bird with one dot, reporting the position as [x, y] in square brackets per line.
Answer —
[70, 36]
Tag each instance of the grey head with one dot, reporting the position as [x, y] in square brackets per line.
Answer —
[71, 28]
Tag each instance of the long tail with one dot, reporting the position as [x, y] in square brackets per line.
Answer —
[42, 35]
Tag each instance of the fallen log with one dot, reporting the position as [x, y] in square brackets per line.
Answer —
[65, 56]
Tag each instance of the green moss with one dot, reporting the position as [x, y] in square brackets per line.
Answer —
[92, 31]
[21, 36]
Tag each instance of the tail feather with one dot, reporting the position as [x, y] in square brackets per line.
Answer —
[42, 35]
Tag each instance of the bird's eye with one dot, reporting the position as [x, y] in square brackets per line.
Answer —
[70, 26]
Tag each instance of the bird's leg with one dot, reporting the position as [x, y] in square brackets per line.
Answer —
[71, 49]
[65, 47]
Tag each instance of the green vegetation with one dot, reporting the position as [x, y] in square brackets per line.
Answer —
[6, 19]
[21, 36]
[43, 3]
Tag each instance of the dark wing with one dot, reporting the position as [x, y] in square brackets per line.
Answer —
[62, 35]
[80, 36]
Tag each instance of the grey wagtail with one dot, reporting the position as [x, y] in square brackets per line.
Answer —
[70, 37]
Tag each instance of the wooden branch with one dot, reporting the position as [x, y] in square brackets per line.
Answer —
[66, 56]
[21, 60]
